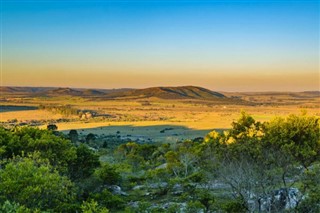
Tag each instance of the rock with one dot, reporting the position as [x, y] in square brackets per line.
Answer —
[134, 204]
[278, 201]
[117, 190]
[158, 185]
[177, 189]
[138, 187]
[162, 166]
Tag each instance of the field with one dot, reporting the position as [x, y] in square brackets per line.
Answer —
[152, 119]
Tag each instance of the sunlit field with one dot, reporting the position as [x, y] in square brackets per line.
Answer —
[147, 117]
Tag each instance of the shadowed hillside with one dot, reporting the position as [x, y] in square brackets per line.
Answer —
[24, 90]
[310, 98]
[184, 92]
[92, 92]
[75, 92]
[64, 91]
[55, 91]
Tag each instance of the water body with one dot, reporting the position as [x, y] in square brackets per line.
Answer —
[6, 108]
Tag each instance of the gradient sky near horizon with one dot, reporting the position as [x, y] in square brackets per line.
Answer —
[230, 45]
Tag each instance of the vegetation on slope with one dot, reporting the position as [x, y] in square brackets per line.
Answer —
[253, 167]
[184, 92]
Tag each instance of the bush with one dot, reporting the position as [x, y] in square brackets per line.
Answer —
[33, 183]
[194, 206]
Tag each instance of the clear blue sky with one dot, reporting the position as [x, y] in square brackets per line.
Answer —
[222, 45]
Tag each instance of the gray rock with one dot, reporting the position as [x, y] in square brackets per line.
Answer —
[117, 190]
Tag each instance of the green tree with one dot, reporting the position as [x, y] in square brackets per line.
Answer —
[311, 188]
[12, 207]
[58, 150]
[33, 183]
[73, 136]
[90, 138]
[52, 127]
[173, 163]
[296, 136]
[108, 175]
[241, 160]
[93, 207]
[106, 198]
[84, 164]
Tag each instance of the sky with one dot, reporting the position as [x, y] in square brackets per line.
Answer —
[230, 45]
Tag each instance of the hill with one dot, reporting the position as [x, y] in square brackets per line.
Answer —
[55, 91]
[24, 90]
[92, 92]
[64, 92]
[183, 92]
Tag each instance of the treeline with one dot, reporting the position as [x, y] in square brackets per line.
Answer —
[42, 171]
[253, 167]
[66, 110]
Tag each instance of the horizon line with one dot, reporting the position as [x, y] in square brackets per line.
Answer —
[135, 88]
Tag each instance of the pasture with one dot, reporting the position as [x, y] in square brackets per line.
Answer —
[150, 119]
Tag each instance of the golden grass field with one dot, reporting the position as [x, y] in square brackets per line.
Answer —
[134, 118]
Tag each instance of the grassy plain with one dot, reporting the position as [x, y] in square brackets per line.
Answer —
[146, 118]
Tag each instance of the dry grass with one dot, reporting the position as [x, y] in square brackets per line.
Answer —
[189, 119]
[28, 115]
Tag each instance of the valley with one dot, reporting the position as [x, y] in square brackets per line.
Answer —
[141, 114]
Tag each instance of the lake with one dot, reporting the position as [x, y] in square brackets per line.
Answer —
[8, 108]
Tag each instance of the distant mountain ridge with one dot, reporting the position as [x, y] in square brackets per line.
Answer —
[183, 92]
[57, 91]
[180, 92]
[64, 91]
[25, 89]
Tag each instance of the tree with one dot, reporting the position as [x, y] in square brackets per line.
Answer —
[90, 138]
[188, 159]
[109, 200]
[52, 127]
[297, 136]
[12, 207]
[73, 136]
[173, 163]
[33, 183]
[108, 175]
[246, 164]
[5, 138]
[84, 164]
[93, 207]
[311, 187]
[58, 150]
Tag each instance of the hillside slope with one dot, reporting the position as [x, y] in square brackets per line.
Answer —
[183, 92]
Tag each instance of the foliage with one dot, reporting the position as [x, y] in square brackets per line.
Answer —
[73, 136]
[296, 136]
[93, 207]
[237, 170]
[311, 187]
[84, 164]
[33, 182]
[65, 110]
[52, 127]
[108, 175]
[90, 138]
[111, 201]
[194, 206]
[58, 150]
[234, 206]
[12, 207]
[256, 159]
